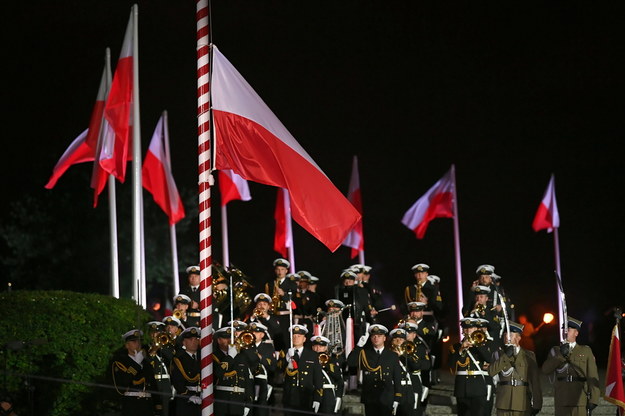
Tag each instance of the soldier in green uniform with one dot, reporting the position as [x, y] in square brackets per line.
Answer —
[576, 378]
[518, 390]
[185, 373]
[133, 378]
[470, 359]
[381, 373]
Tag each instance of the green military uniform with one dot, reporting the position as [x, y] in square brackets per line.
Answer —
[518, 390]
[576, 385]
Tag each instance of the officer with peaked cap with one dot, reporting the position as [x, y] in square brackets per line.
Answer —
[281, 289]
[333, 385]
[159, 356]
[264, 371]
[262, 314]
[381, 372]
[182, 303]
[518, 389]
[185, 373]
[303, 378]
[479, 309]
[469, 360]
[306, 301]
[408, 400]
[133, 377]
[419, 365]
[192, 290]
[576, 387]
[350, 293]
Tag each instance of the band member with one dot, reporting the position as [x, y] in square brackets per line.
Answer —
[418, 365]
[357, 298]
[174, 327]
[281, 289]
[576, 387]
[185, 373]
[333, 385]
[303, 378]
[409, 399]
[159, 356]
[332, 326]
[221, 300]
[518, 389]
[363, 276]
[181, 307]
[234, 381]
[306, 301]
[381, 372]
[264, 371]
[470, 360]
[262, 314]
[133, 378]
[192, 290]
[427, 335]
[480, 309]
[423, 286]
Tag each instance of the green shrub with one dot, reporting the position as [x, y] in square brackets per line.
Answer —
[63, 341]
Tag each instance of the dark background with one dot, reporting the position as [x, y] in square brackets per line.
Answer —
[508, 93]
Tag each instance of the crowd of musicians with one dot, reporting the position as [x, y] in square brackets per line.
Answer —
[318, 350]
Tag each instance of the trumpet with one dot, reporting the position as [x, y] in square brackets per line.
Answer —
[160, 339]
[179, 314]
[323, 358]
[477, 338]
[245, 340]
[405, 348]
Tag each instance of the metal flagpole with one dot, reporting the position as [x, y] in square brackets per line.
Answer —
[172, 228]
[457, 250]
[561, 312]
[224, 236]
[202, 16]
[112, 197]
[289, 229]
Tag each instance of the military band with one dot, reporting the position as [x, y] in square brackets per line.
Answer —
[286, 338]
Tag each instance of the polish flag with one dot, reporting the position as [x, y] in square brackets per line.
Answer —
[437, 202]
[114, 153]
[355, 239]
[232, 187]
[614, 392]
[157, 176]
[252, 141]
[283, 238]
[547, 216]
[83, 148]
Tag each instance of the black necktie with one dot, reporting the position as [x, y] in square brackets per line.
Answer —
[297, 355]
[194, 289]
[194, 357]
[379, 352]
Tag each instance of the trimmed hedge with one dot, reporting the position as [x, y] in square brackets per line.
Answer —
[63, 341]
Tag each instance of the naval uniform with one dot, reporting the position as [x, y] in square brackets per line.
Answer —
[234, 381]
[381, 379]
[303, 382]
[472, 384]
[333, 385]
[518, 390]
[576, 379]
[263, 376]
[133, 381]
[185, 377]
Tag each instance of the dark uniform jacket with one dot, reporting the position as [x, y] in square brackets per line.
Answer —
[303, 384]
[381, 375]
[360, 308]
[333, 386]
[193, 314]
[132, 380]
[471, 380]
[519, 383]
[185, 377]
[430, 290]
[234, 381]
[575, 376]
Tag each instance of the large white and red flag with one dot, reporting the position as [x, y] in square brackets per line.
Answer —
[547, 216]
[114, 150]
[283, 237]
[250, 140]
[83, 148]
[437, 202]
[157, 176]
[614, 392]
[232, 187]
[355, 239]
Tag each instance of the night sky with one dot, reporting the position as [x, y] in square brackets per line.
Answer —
[508, 93]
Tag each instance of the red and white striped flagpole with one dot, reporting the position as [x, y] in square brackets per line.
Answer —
[204, 209]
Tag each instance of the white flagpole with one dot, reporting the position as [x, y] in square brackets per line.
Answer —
[556, 246]
[457, 250]
[137, 194]
[289, 229]
[172, 228]
[224, 236]
[112, 197]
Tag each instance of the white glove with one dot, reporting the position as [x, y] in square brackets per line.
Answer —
[232, 351]
[246, 411]
[395, 406]
[337, 406]
[316, 406]
[416, 400]
[362, 341]
[290, 353]
[195, 400]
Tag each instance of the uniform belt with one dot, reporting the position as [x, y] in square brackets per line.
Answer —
[416, 373]
[281, 312]
[514, 383]
[193, 314]
[302, 316]
[471, 373]
[230, 389]
[161, 376]
[196, 389]
[571, 378]
[140, 394]
[263, 376]
[329, 386]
